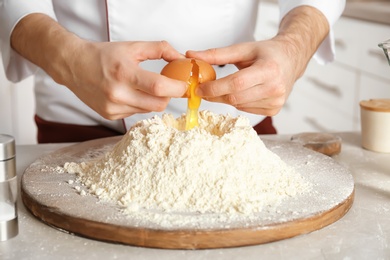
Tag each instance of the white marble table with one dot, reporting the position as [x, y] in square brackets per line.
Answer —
[363, 233]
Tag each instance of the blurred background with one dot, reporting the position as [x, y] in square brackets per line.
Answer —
[325, 99]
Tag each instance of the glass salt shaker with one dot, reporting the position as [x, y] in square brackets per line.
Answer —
[8, 189]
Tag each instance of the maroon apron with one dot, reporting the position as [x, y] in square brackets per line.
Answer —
[52, 132]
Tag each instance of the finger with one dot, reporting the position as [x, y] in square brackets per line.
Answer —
[266, 103]
[267, 96]
[220, 56]
[260, 111]
[147, 102]
[158, 50]
[125, 112]
[257, 97]
[234, 83]
[126, 96]
[158, 85]
[114, 111]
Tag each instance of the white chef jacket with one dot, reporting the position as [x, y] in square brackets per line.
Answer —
[221, 23]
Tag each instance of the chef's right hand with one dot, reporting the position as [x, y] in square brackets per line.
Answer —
[104, 75]
[107, 77]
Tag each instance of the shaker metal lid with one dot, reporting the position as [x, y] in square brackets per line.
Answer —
[378, 105]
[7, 147]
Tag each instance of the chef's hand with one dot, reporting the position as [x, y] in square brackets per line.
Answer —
[263, 82]
[107, 77]
[267, 69]
[104, 75]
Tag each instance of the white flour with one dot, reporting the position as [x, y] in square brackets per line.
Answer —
[221, 167]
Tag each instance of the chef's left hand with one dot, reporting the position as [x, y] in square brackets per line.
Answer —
[267, 69]
[265, 78]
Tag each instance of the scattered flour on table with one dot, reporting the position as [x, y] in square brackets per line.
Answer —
[220, 167]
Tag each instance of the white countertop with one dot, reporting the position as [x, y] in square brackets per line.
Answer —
[363, 233]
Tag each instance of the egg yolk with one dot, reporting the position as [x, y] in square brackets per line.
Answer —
[193, 99]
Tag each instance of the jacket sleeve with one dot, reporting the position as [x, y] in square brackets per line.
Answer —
[332, 10]
[11, 12]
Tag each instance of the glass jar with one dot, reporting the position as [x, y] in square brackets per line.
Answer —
[386, 49]
[8, 189]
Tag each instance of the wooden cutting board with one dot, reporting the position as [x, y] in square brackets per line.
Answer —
[54, 197]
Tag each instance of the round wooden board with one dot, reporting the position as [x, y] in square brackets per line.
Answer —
[48, 194]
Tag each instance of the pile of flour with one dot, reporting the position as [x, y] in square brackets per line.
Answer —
[220, 167]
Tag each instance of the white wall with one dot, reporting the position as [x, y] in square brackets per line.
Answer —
[17, 109]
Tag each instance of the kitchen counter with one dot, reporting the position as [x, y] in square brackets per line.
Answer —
[371, 11]
[363, 233]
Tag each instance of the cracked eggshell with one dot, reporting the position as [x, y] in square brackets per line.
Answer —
[181, 70]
